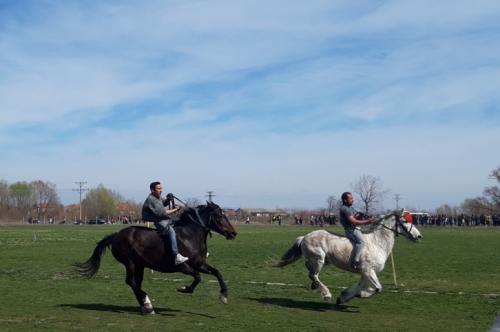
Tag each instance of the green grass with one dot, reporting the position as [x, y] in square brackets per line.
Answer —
[448, 282]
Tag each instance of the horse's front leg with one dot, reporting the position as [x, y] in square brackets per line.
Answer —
[349, 293]
[364, 289]
[206, 268]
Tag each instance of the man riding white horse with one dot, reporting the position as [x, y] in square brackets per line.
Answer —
[351, 227]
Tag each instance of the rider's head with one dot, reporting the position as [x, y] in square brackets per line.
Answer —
[156, 188]
[347, 198]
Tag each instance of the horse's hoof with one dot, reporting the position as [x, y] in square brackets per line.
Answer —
[182, 289]
[328, 299]
[338, 301]
[148, 311]
[223, 298]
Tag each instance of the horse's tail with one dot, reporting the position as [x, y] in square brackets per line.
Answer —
[91, 266]
[290, 256]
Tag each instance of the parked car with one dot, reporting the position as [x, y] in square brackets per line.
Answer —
[98, 222]
[77, 222]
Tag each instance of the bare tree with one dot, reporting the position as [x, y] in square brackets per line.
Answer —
[447, 210]
[472, 205]
[333, 204]
[4, 196]
[493, 193]
[370, 190]
[47, 200]
[192, 202]
[489, 202]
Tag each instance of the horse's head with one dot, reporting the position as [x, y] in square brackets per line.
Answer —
[217, 220]
[405, 227]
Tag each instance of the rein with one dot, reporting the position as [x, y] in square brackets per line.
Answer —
[200, 221]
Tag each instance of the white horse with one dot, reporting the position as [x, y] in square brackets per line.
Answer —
[322, 247]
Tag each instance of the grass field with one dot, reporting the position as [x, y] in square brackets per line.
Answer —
[448, 282]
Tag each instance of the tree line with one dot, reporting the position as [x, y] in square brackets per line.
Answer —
[39, 200]
[35, 199]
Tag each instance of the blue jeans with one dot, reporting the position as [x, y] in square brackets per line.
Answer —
[359, 243]
[165, 228]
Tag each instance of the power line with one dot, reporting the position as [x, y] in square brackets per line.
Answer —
[397, 199]
[80, 191]
[210, 195]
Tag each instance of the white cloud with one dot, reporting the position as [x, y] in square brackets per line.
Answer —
[266, 103]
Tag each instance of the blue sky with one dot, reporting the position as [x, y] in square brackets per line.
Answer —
[266, 103]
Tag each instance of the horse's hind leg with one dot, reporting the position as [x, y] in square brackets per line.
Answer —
[134, 278]
[312, 276]
[186, 269]
[314, 267]
[371, 277]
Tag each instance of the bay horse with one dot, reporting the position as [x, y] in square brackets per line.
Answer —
[139, 247]
[322, 247]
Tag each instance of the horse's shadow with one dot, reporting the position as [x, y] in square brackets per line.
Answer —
[304, 305]
[117, 309]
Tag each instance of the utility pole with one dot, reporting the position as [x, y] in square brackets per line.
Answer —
[80, 191]
[397, 199]
[210, 195]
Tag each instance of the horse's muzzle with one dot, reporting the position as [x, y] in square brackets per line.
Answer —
[416, 238]
[231, 236]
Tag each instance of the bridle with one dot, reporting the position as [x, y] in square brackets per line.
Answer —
[198, 220]
[398, 224]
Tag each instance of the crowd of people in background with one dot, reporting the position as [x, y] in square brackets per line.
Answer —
[421, 219]
[440, 220]
[320, 220]
[462, 220]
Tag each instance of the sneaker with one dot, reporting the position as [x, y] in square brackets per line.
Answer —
[356, 266]
[179, 259]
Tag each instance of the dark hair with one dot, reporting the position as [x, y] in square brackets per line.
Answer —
[344, 196]
[153, 185]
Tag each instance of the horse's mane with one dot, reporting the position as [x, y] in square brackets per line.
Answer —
[183, 213]
[187, 213]
[378, 220]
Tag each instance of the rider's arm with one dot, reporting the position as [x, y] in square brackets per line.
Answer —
[175, 209]
[357, 222]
